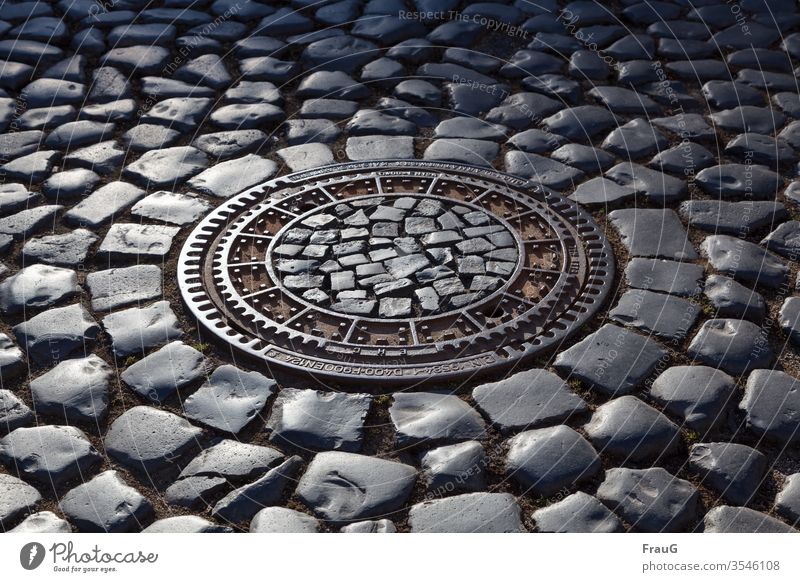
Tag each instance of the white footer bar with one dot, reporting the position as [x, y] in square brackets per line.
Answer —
[402, 557]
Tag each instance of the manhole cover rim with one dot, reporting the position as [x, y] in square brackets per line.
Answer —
[599, 259]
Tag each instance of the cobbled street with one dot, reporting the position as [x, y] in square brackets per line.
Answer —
[399, 266]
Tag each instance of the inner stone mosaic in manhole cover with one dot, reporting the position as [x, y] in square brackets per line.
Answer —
[408, 271]
[399, 255]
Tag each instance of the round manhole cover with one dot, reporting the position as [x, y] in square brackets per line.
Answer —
[405, 271]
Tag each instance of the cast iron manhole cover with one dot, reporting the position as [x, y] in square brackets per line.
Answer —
[402, 270]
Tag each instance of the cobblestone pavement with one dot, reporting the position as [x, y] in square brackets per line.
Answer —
[124, 122]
